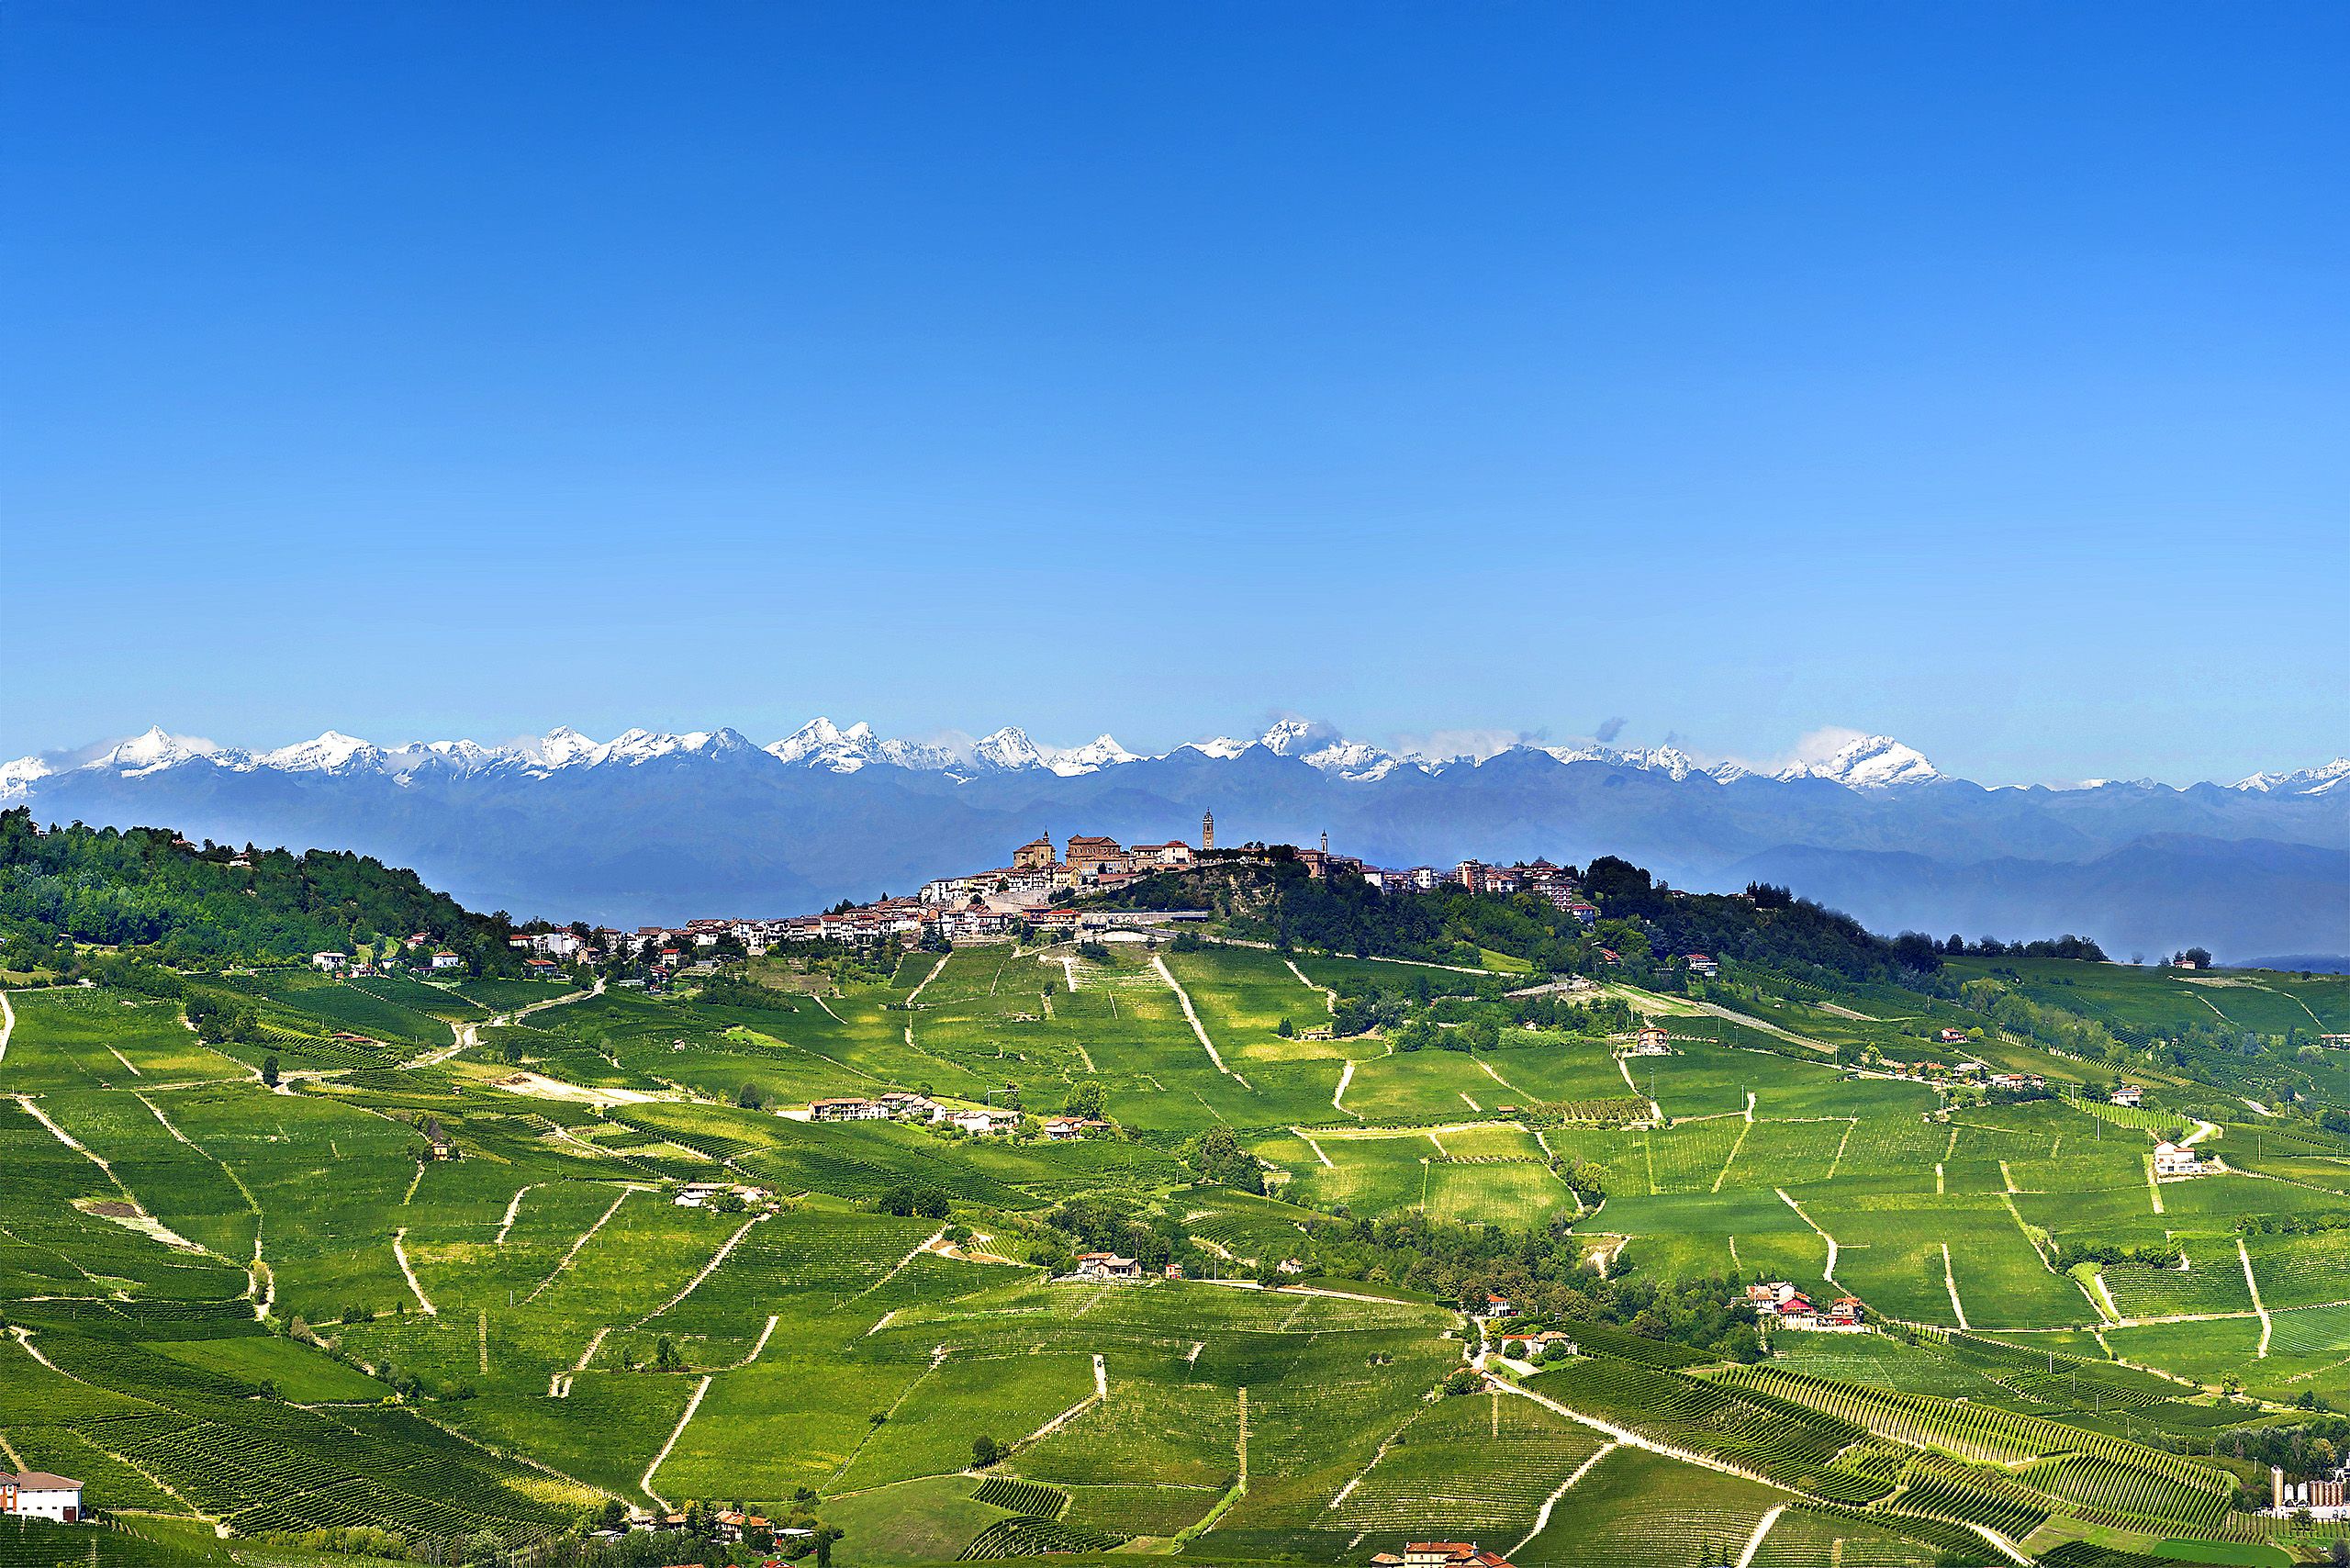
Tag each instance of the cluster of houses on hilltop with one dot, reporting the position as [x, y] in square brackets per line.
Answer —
[1035, 889]
[1781, 1305]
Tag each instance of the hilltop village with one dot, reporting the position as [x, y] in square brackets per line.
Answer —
[1038, 893]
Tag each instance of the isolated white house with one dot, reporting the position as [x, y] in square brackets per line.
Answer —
[36, 1494]
[2175, 1160]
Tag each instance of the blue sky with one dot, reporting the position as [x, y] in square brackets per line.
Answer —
[1972, 374]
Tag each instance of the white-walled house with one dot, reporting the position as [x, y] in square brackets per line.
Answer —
[36, 1494]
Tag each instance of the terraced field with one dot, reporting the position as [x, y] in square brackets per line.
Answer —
[268, 1309]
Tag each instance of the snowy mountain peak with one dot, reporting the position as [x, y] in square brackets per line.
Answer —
[2300, 781]
[1102, 751]
[156, 748]
[1222, 747]
[820, 742]
[1009, 750]
[332, 752]
[561, 748]
[1868, 762]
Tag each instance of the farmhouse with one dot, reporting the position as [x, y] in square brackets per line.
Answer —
[1063, 1130]
[2018, 1081]
[1106, 1266]
[1701, 963]
[1441, 1554]
[2128, 1094]
[445, 959]
[437, 1139]
[984, 1123]
[1651, 1042]
[38, 1495]
[1952, 1036]
[847, 1108]
[2175, 1160]
[329, 961]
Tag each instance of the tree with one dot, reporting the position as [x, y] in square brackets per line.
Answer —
[749, 1097]
[1083, 1100]
[1285, 1029]
[1217, 1156]
[985, 1451]
[269, 1069]
[824, 1537]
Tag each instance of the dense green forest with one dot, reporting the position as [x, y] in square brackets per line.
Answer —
[72, 888]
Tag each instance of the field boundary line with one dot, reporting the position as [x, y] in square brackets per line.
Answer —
[2253, 1286]
[1160, 963]
[707, 1270]
[7, 1024]
[399, 1250]
[918, 1250]
[1851, 1123]
[1762, 1528]
[1330, 992]
[761, 1342]
[559, 1386]
[1723, 1174]
[1542, 1515]
[1827, 1273]
[1628, 1438]
[827, 1007]
[512, 1209]
[1950, 1281]
[1339, 1096]
[645, 1484]
[564, 1261]
[923, 984]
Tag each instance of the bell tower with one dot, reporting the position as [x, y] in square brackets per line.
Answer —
[1207, 831]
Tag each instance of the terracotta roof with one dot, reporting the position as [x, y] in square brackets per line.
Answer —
[41, 1481]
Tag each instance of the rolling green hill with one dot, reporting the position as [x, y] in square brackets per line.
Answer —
[264, 1310]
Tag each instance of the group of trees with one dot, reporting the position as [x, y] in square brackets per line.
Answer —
[1217, 1156]
[191, 908]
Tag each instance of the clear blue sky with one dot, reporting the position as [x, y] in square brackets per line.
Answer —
[1974, 374]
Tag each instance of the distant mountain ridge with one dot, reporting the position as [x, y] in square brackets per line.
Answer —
[656, 826]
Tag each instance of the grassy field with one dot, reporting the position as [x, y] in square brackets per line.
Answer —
[267, 1309]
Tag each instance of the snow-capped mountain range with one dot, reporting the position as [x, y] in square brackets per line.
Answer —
[651, 826]
[1866, 763]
